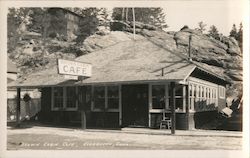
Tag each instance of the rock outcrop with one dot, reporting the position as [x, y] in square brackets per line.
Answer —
[222, 56]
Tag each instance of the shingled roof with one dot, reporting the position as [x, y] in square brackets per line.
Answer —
[131, 60]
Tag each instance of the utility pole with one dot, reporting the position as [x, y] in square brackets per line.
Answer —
[133, 10]
[172, 103]
[18, 107]
[189, 47]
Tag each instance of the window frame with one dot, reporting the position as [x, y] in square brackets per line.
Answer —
[64, 107]
[106, 108]
[167, 98]
[205, 92]
[222, 92]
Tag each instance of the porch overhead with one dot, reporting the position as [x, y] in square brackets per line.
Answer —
[131, 60]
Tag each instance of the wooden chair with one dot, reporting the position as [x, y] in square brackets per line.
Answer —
[165, 122]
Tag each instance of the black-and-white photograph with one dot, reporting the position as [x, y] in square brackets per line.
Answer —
[164, 77]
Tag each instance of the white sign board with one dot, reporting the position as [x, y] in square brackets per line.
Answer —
[70, 77]
[68, 67]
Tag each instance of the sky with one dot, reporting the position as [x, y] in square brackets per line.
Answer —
[222, 14]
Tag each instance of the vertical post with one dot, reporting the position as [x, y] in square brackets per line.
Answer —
[123, 9]
[120, 105]
[83, 119]
[133, 10]
[82, 92]
[172, 102]
[18, 107]
[189, 47]
[187, 104]
[149, 104]
[126, 14]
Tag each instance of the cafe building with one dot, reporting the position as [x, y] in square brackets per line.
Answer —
[134, 83]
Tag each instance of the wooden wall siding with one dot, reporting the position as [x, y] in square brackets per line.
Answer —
[69, 23]
[56, 117]
[203, 118]
[206, 77]
[181, 120]
[72, 25]
[51, 27]
[45, 105]
[103, 120]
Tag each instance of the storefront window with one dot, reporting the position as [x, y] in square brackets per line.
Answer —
[113, 97]
[179, 97]
[58, 97]
[158, 96]
[71, 97]
[99, 97]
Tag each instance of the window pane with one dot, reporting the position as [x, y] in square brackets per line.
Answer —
[99, 97]
[179, 103]
[158, 96]
[113, 97]
[178, 90]
[58, 97]
[71, 97]
[190, 90]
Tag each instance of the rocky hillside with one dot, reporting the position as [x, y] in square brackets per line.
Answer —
[224, 57]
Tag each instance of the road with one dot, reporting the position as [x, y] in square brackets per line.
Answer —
[51, 138]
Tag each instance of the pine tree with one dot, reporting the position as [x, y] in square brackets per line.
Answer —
[233, 32]
[213, 32]
[240, 37]
[201, 26]
[37, 19]
[17, 20]
[152, 16]
[90, 21]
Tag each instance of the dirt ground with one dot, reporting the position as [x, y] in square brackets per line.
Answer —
[52, 138]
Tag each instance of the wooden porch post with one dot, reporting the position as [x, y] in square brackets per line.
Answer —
[172, 103]
[82, 92]
[83, 119]
[18, 107]
[187, 104]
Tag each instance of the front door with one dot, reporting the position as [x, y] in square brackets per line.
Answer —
[135, 105]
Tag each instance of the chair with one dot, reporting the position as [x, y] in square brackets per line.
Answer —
[165, 122]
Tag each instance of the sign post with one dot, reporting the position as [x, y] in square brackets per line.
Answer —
[74, 70]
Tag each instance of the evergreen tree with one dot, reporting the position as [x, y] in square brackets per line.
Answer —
[213, 32]
[201, 26]
[240, 37]
[233, 32]
[89, 23]
[17, 20]
[37, 19]
[152, 16]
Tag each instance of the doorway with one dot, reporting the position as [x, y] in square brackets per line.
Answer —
[135, 105]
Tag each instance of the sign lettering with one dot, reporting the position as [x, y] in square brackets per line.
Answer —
[67, 67]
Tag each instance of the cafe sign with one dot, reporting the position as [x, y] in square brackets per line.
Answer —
[74, 68]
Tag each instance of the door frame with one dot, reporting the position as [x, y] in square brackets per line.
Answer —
[123, 115]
